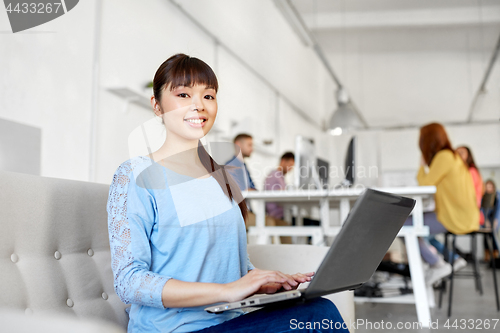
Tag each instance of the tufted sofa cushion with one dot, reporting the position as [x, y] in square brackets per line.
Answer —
[54, 248]
[15, 321]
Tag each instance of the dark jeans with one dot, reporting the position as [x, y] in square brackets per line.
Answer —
[318, 315]
[450, 255]
[489, 215]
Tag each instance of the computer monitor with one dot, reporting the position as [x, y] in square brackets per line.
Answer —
[306, 175]
[350, 163]
[323, 168]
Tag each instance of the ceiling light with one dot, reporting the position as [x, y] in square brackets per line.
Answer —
[345, 117]
[336, 131]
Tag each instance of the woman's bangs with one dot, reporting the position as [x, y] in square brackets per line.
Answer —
[194, 73]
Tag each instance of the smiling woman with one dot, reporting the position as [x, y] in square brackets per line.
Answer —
[177, 237]
[185, 90]
[175, 92]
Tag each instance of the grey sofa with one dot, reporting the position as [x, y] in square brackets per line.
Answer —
[54, 248]
[55, 258]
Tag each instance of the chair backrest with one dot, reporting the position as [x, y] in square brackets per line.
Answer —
[54, 248]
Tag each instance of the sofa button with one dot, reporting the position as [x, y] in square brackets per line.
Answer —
[70, 303]
[90, 252]
[57, 255]
[104, 296]
[14, 258]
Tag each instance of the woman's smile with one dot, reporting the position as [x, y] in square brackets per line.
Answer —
[196, 122]
[195, 105]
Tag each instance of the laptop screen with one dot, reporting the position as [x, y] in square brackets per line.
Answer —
[361, 244]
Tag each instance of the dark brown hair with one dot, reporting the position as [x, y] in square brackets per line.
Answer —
[492, 183]
[470, 159]
[491, 198]
[288, 156]
[433, 139]
[241, 137]
[183, 70]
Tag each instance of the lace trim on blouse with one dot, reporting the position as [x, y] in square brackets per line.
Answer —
[134, 282]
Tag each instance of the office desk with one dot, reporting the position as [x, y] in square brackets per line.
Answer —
[423, 297]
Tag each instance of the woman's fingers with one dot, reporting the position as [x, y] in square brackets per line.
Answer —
[289, 279]
[303, 277]
[299, 276]
[266, 277]
[251, 283]
[271, 281]
[265, 281]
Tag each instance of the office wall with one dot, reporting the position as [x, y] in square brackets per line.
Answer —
[259, 34]
[47, 77]
[20, 147]
[130, 55]
[46, 82]
[256, 101]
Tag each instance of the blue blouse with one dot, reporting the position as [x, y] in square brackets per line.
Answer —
[165, 225]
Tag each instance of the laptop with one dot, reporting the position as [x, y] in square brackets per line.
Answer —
[368, 232]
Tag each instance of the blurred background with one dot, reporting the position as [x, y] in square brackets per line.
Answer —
[73, 90]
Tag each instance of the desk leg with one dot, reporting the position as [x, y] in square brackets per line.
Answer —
[287, 213]
[417, 280]
[418, 213]
[276, 240]
[344, 209]
[324, 209]
[260, 221]
[430, 297]
[318, 238]
[295, 212]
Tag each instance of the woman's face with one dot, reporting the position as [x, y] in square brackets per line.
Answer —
[189, 112]
[463, 153]
[490, 188]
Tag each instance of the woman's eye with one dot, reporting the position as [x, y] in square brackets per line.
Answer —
[209, 97]
[183, 95]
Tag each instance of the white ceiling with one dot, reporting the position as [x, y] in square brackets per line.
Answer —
[311, 6]
[407, 62]
[320, 15]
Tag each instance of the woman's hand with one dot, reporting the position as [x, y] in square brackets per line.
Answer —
[271, 288]
[263, 282]
[255, 280]
[179, 294]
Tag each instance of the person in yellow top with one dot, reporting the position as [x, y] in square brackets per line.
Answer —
[455, 197]
[456, 210]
